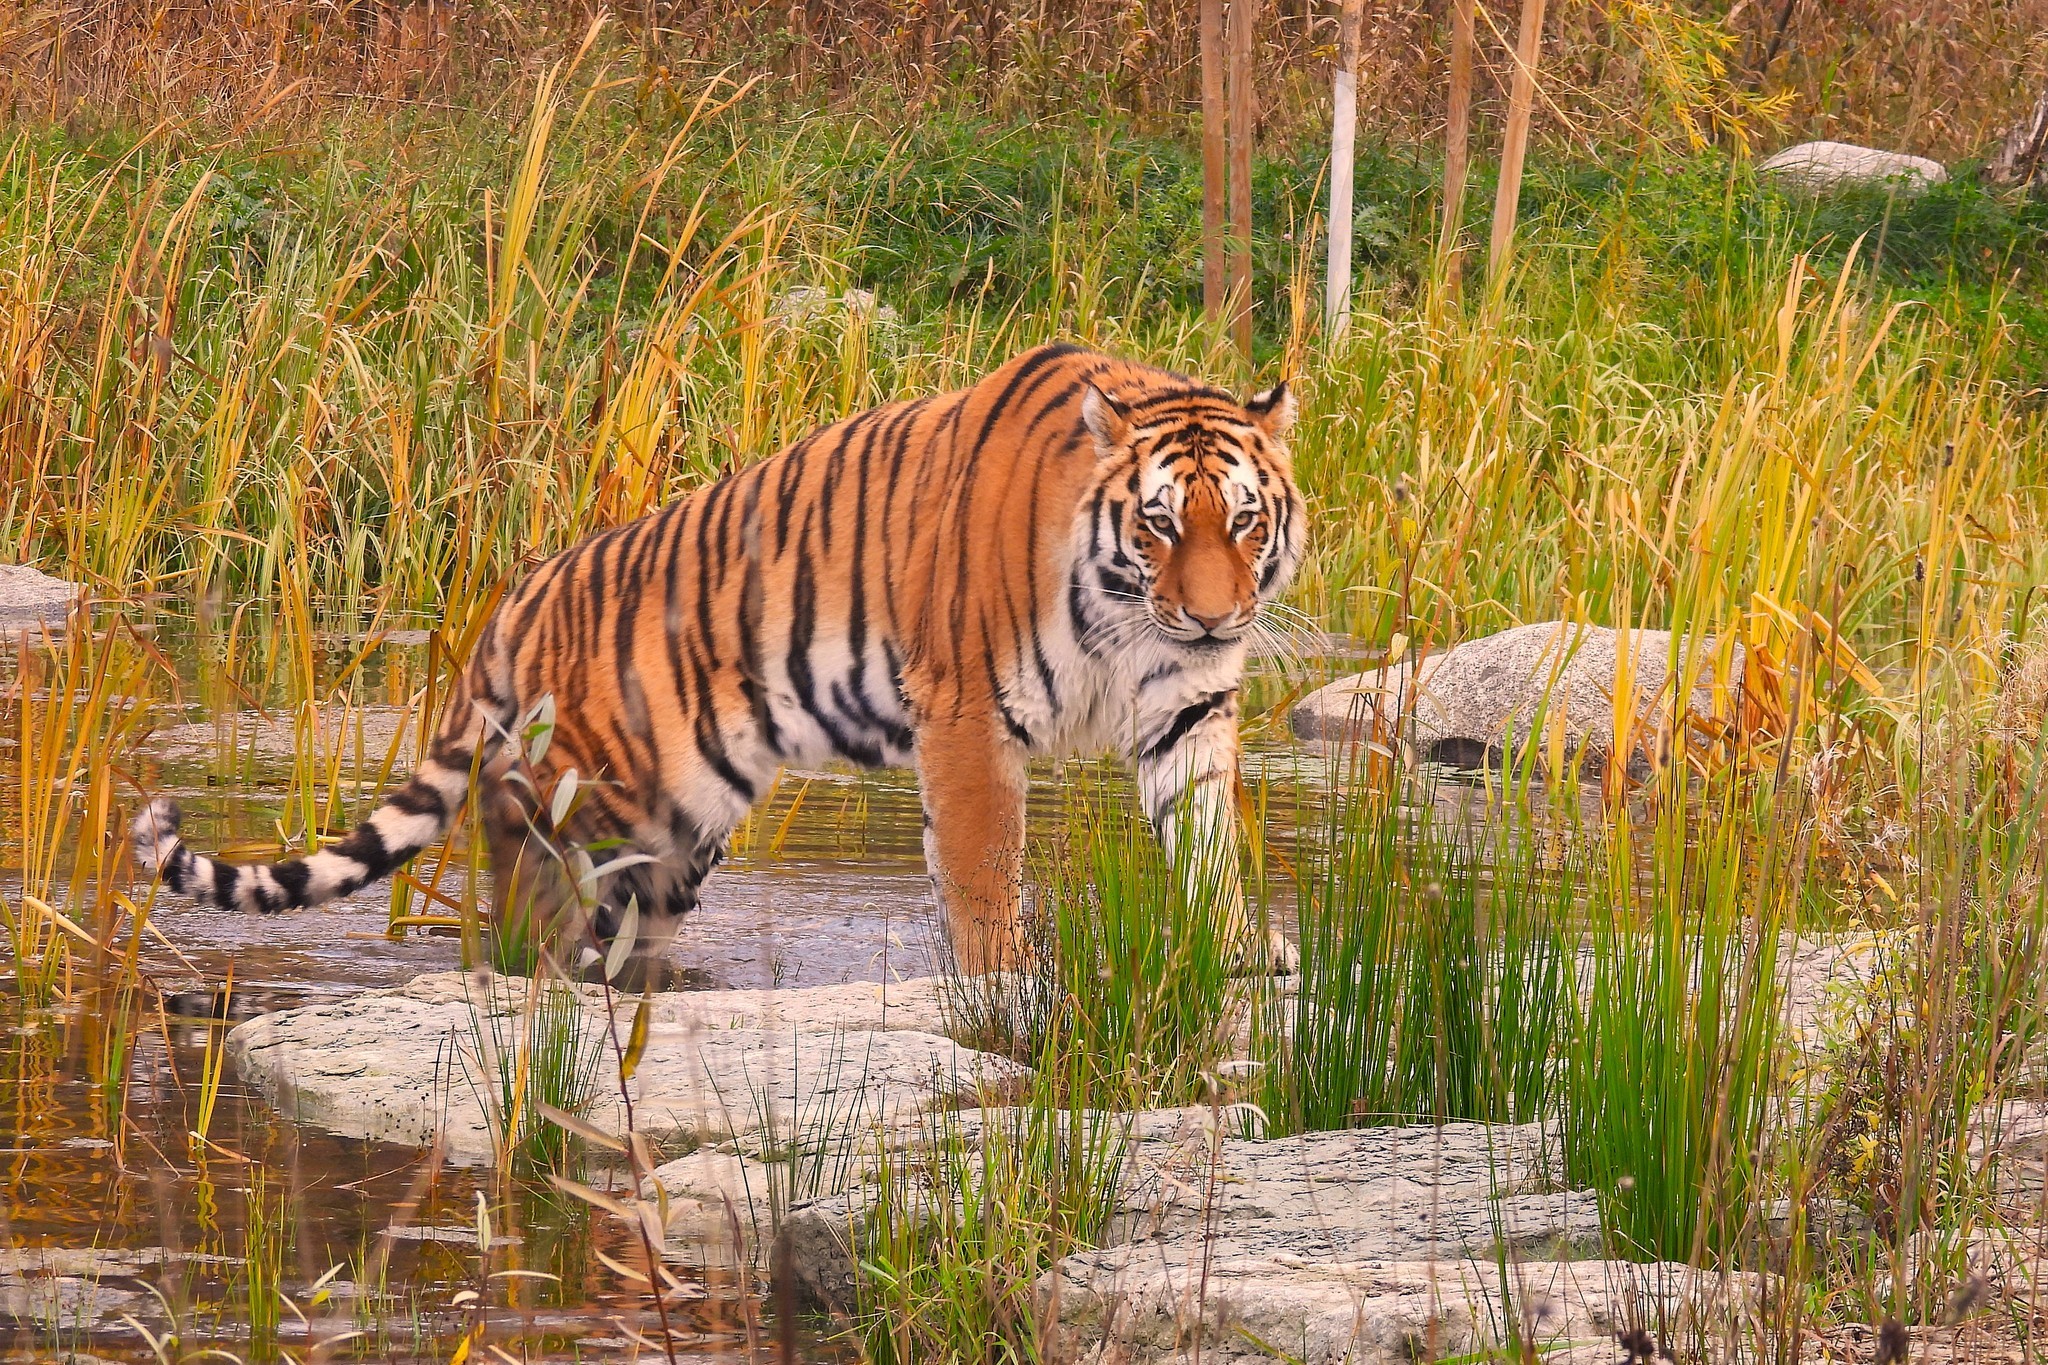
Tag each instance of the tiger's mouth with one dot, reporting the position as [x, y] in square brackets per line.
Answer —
[1189, 631]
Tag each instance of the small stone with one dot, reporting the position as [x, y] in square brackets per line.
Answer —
[808, 304]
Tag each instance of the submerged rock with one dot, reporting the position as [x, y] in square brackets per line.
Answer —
[1469, 704]
[363, 738]
[425, 1060]
[29, 594]
[1832, 165]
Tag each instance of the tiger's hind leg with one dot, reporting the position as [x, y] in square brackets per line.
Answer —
[533, 903]
[537, 908]
[655, 897]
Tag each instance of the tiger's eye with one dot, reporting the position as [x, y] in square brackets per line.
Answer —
[1160, 525]
[1243, 521]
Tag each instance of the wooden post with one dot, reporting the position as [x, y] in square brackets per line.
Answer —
[1343, 140]
[1214, 171]
[1457, 139]
[2023, 156]
[1243, 15]
[1515, 146]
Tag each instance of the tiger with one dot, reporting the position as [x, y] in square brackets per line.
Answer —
[1070, 556]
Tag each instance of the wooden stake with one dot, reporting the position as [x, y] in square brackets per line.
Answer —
[2023, 156]
[1515, 146]
[1343, 140]
[1214, 174]
[1243, 15]
[1457, 139]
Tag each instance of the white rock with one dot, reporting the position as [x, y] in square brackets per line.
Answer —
[63, 1289]
[709, 1192]
[28, 592]
[1829, 165]
[750, 1067]
[806, 304]
[1467, 704]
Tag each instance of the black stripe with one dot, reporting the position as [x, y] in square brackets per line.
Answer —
[803, 619]
[1189, 717]
[1028, 367]
[710, 743]
[365, 844]
[292, 878]
[752, 605]
[707, 631]
[995, 689]
[418, 798]
[787, 479]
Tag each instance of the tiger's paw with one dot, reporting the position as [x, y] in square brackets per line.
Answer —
[1274, 956]
[1282, 957]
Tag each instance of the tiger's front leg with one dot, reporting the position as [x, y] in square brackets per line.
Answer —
[1187, 778]
[974, 779]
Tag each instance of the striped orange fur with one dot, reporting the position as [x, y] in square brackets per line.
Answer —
[1065, 557]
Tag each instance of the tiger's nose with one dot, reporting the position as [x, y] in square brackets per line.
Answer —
[1210, 624]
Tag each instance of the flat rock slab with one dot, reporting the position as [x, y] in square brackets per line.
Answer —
[27, 594]
[1424, 1193]
[364, 737]
[738, 1067]
[1832, 165]
[1418, 1192]
[1137, 1305]
[64, 1289]
[1471, 703]
[1368, 1247]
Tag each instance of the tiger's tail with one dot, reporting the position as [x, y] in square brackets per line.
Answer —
[408, 820]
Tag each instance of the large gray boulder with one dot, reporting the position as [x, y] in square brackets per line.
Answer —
[736, 1067]
[1833, 165]
[1469, 704]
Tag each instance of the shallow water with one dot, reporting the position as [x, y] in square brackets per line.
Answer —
[112, 1203]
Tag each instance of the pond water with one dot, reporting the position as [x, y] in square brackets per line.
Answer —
[271, 1240]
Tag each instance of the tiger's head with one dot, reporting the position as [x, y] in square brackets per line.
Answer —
[1197, 523]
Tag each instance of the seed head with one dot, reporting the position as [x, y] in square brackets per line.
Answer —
[1637, 1346]
[1968, 1298]
[1891, 1343]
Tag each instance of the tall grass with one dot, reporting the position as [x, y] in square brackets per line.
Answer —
[1140, 972]
[1437, 971]
[966, 1220]
[1671, 1064]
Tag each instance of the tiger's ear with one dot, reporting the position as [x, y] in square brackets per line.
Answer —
[1108, 421]
[1273, 410]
